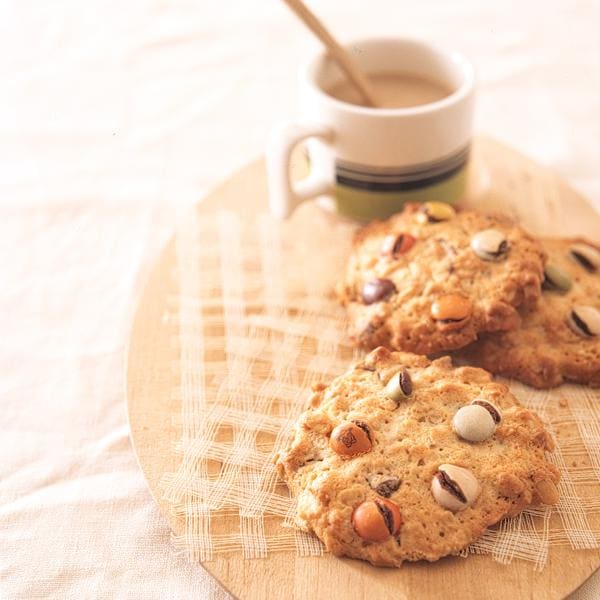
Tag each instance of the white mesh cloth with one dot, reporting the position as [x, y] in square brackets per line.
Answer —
[256, 324]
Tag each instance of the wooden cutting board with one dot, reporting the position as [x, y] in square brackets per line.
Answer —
[499, 176]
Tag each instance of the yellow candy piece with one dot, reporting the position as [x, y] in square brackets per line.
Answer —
[433, 212]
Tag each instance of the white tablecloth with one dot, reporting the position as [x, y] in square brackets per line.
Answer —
[114, 116]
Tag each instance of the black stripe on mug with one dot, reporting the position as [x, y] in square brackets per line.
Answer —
[400, 179]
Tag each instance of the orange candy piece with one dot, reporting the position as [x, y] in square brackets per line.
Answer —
[377, 520]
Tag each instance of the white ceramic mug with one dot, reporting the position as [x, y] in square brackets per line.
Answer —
[372, 160]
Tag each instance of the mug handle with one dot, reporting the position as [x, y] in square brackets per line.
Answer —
[285, 196]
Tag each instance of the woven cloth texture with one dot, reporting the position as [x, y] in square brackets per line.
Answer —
[256, 324]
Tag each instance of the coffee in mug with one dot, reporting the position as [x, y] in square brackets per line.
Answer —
[393, 90]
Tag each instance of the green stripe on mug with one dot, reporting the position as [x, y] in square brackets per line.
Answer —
[366, 205]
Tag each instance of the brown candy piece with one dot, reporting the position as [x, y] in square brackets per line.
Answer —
[377, 520]
[387, 487]
[395, 245]
[451, 311]
[377, 290]
[351, 439]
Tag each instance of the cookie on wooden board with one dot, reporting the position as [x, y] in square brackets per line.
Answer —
[559, 339]
[402, 458]
[429, 279]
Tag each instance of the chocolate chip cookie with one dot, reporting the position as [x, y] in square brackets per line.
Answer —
[403, 458]
[559, 340]
[429, 279]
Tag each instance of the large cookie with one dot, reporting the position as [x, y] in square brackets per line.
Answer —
[559, 340]
[380, 473]
[418, 283]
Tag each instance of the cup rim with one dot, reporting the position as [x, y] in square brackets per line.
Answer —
[463, 91]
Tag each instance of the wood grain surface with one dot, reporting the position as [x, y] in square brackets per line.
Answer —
[499, 177]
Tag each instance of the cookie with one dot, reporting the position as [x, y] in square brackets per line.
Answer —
[429, 279]
[559, 340]
[403, 458]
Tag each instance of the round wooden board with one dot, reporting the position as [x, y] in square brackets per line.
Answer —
[500, 176]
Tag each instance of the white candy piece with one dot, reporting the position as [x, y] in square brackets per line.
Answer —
[589, 254]
[473, 423]
[454, 488]
[589, 316]
[489, 244]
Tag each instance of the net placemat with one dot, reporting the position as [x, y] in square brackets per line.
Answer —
[256, 324]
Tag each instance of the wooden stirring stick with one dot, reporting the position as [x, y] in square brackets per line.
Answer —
[343, 59]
